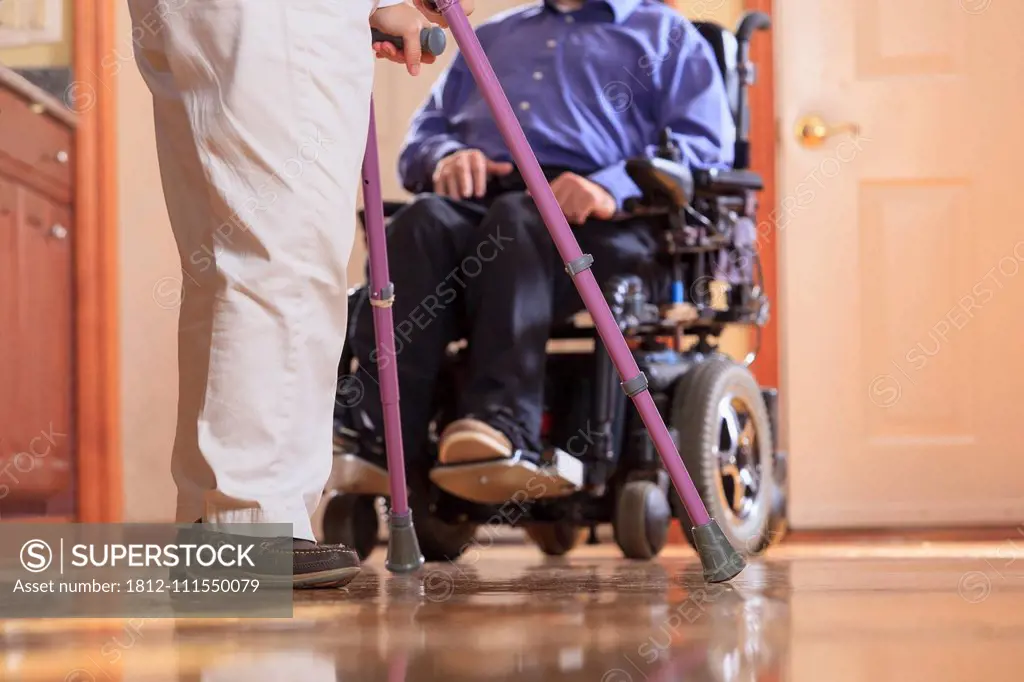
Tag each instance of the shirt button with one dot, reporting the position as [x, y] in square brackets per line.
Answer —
[552, 44]
[569, 20]
[525, 106]
[537, 75]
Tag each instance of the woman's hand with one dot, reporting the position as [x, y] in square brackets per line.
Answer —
[404, 21]
[467, 6]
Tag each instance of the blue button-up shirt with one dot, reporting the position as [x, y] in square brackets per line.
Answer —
[591, 88]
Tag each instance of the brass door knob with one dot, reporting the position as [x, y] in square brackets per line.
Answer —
[812, 131]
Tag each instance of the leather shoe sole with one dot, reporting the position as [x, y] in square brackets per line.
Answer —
[322, 566]
[471, 440]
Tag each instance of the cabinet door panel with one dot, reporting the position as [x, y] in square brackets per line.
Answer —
[36, 351]
[35, 148]
[10, 348]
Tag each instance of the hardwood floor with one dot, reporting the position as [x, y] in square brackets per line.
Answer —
[838, 612]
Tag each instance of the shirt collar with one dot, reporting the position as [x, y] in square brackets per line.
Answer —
[621, 9]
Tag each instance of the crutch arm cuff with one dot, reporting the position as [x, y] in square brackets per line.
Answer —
[385, 298]
[578, 265]
[637, 384]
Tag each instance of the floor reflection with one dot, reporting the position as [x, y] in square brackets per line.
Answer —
[511, 615]
[743, 639]
[607, 621]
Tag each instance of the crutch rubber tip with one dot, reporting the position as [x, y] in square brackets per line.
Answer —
[404, 554]
[721, 562]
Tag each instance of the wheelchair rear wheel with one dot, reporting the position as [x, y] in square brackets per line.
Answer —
[726, 443]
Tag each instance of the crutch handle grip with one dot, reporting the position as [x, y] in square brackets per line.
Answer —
[432, 40]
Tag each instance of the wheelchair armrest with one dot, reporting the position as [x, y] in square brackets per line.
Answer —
[716, 181]
[662, 181]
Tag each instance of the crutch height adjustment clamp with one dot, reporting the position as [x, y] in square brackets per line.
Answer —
[384, 299]
[578, 265]
[637, 384]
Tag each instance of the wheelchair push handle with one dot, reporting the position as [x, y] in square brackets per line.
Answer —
[433, 40]
[751, 23]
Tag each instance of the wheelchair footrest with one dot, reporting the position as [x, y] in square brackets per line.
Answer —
[517, 478]
[354, 475]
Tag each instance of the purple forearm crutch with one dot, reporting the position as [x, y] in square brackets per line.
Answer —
[719, 559]
[403, 548]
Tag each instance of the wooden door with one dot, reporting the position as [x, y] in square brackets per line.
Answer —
[900, 259]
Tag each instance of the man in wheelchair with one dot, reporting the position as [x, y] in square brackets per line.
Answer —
[598, 87]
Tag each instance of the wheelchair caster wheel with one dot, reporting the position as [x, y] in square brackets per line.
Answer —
[725, 439]
[352, 520]
[642, 516]
[440, 539]
[555, 539]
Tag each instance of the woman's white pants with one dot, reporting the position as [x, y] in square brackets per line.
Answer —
[261, 111]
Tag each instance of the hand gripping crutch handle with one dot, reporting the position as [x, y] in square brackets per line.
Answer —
[432, 40]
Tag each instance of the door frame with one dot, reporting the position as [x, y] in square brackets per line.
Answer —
[764, 136]
[97, 381]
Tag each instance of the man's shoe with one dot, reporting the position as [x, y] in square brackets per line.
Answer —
[472, 440]
[495, 462]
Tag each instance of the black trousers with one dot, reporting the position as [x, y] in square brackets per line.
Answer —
[487, 272]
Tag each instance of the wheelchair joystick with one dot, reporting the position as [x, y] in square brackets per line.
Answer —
[667, 147]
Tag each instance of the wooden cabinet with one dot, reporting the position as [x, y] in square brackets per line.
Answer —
[36, 304]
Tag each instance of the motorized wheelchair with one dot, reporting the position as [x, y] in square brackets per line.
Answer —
[724, 423]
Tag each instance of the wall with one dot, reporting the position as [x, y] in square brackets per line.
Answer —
[51, 54]
[726, 12]
[149, 272]
[150, 267]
